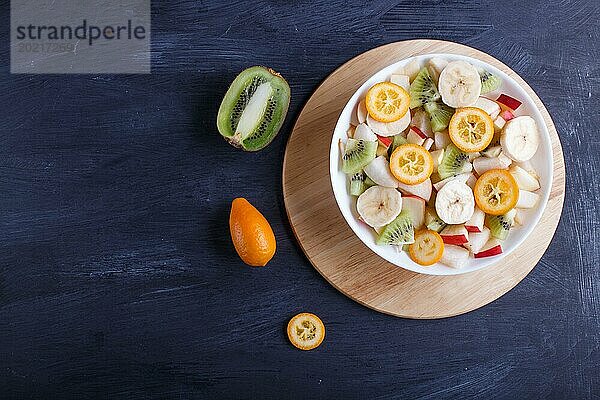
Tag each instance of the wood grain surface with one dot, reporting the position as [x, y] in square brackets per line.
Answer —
[339, 255]
[118, 279]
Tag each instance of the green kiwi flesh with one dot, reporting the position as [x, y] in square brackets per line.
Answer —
[357, 154]
[439, 115]
[453, 162]
[254, 108]
[397, 141]
[423, 89]
[489, 81]
[399, 231]
[492, 151]
[357, 184]
[368, 182]
[432, 221]
[500, 224]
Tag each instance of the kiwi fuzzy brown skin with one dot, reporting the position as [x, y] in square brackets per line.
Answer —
[224, 123]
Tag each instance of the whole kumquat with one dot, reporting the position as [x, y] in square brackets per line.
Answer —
[251, 233]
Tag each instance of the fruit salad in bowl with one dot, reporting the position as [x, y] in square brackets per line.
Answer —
[441, 164]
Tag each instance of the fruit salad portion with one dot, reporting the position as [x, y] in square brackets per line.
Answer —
[438, 159]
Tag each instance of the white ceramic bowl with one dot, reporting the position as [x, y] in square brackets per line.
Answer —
[542, 161]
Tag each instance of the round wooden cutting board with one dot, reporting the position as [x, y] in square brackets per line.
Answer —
[341, 257]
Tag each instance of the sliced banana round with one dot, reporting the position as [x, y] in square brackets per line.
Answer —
[455, 202]
[520, 138]
[361, 112]
[379, 172]
[363, 132]
[378, 205]
[459, 84]
[389, 128]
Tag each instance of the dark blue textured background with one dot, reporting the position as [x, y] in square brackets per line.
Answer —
[117, 275]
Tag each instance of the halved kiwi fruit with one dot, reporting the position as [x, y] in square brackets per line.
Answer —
[399, 231]
[423, 90]
[254, 108]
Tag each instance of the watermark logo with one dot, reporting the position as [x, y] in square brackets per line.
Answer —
[79, 37]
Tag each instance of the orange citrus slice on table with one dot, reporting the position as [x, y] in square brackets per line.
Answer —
[427, 248]
[387, 102]
[306, 331]
[496, 192]
[471, 129]
[411, 164]
[251, 233]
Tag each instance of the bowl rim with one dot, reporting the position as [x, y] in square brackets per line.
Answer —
[441, 269]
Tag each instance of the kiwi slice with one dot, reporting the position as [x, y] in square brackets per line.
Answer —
[397, 141]
[357, 154]
[453, 163]
[432, 221]
[254, 108]
[369, 182]
[500, 224]
[357, 184]
[492, 151]
[399, 231]
[489, 81]
[423, 89]
[439, 115]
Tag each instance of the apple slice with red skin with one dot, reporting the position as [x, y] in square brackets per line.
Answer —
[455, 256]
[419, 132]
[414, 137]
[386, 141]
[478, 239]
[422, 190]
[428, 143]
[492, 248]
[509, 102]
[507, 112]
[475, 224]
[455, 234]
[507, 115]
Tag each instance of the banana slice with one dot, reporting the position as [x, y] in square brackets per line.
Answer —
[455, 203]
[378, 205]
[389, 128]
[379, 172]
[361, 112]
[520, 138]
[459, 84]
